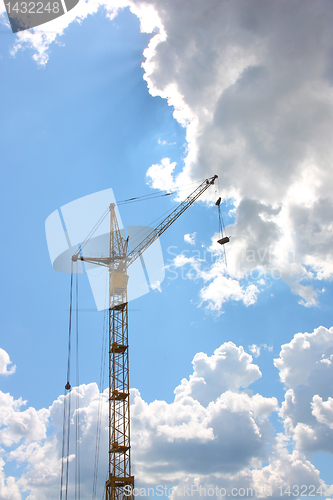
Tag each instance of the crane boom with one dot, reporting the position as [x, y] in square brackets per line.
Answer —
[170, 219]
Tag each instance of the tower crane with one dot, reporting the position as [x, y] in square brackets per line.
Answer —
[120, 481]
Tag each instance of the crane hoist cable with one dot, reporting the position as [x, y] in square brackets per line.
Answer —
[67, 402]
[224, 239]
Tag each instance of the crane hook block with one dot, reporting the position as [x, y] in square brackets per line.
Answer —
[67, 386]
[218, 202]
[224, 240]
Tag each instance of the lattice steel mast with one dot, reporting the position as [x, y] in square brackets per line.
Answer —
[119, 409]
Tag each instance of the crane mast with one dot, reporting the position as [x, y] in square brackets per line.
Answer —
[120, 482]
[119, 407]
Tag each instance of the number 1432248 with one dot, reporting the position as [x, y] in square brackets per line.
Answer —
[33, 8]
[303, 490]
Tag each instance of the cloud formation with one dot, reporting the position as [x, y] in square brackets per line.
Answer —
[215, 434]
[9, 490]
[228, 369]
[252, 85]
[306, 369]
[5, 364]
[211, 271]
[190, 238]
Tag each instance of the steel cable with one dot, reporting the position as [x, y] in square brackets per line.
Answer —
[77, 406]
[67, 398]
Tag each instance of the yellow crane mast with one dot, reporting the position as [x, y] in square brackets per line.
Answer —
[120, 482]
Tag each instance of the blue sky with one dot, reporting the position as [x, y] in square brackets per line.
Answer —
[243, 93]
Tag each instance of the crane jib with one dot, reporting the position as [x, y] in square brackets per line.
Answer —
[163, 226]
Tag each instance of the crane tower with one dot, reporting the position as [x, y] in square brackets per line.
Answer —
[120, 482]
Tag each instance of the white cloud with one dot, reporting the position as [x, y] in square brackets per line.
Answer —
[306, 367]
[9, 489]
[40, 38]
[168, 440]
[181, 260]
[15, 424]
[261, 113]
[254, 92]
[176, 437]
[161, 175]
[198, 434]
[5, 363]
[323, 410]
[256, 349]
[305, 356]
[41, 457]
[287, 470]
[165, 143]
[190, 238]
[156, 286]
[229, 368]
[216, 433]
[220, 287]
